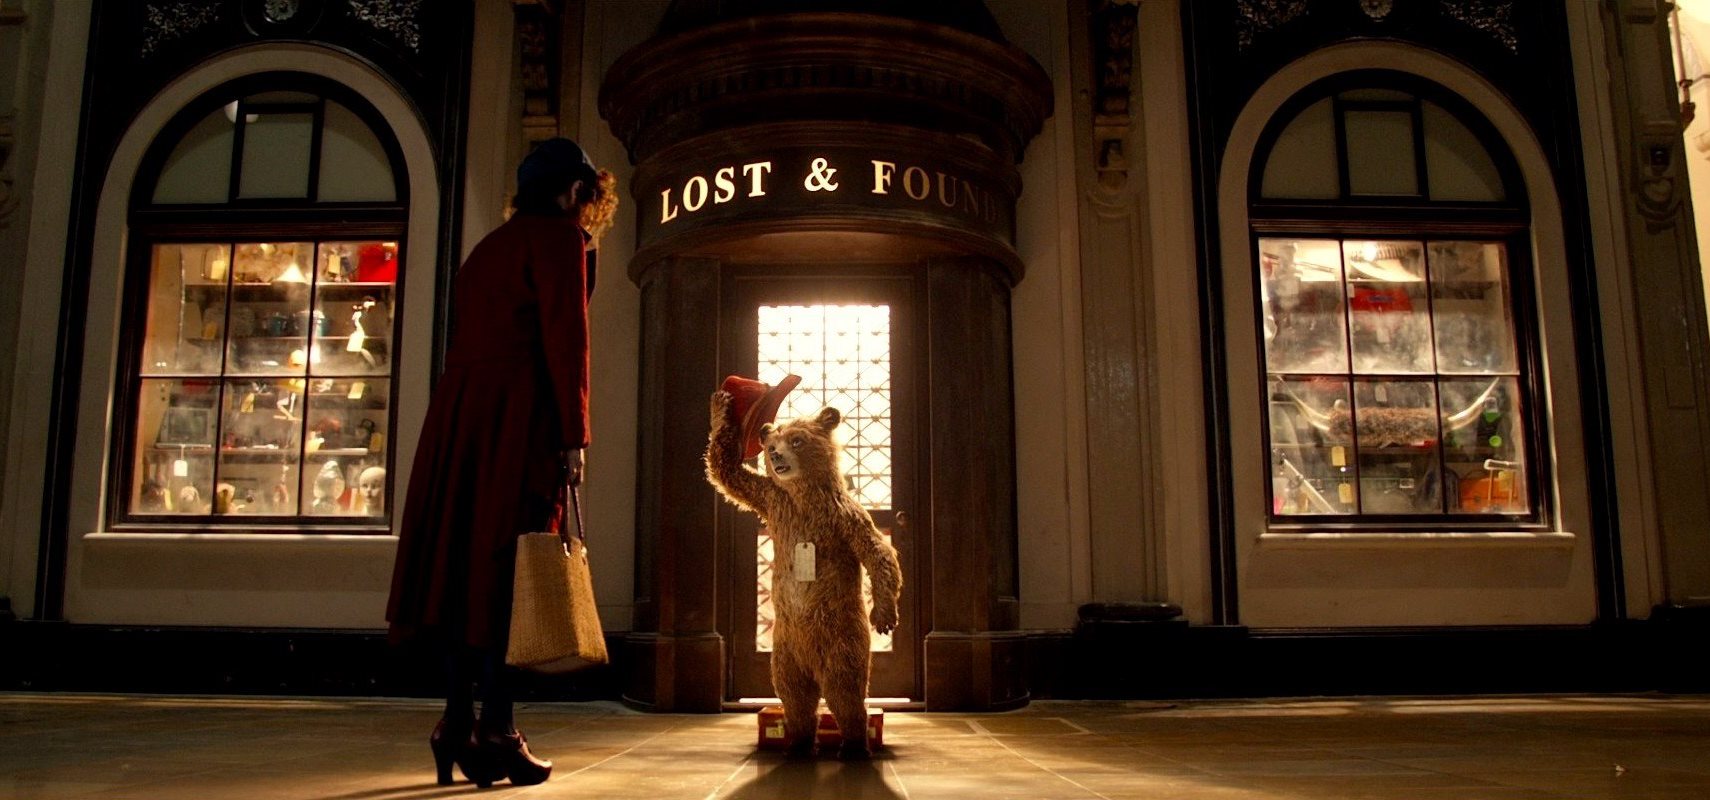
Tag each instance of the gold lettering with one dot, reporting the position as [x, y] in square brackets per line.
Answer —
[947, 199]
[690, 202]
[667, 212]
[726, 187]
[925, 183]
[971, 198]
[882, 172]
[756, 173]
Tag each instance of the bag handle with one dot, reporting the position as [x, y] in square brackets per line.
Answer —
[561, 521]
[576, 507]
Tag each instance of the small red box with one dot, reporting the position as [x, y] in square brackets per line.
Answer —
[772, 728]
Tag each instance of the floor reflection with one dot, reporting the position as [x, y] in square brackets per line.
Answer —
[771, 777]
[1536, 747]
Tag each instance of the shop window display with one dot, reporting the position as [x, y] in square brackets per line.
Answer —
[1394, 375]
[260, 367]
[265, 385]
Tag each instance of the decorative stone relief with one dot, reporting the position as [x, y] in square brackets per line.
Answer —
[1658, 202]
[1377, 9]
[402, 19]
[280, 12]
[1253, 17]
[1494, 18]
[537, 28]
[170, 21]
[1113, 26]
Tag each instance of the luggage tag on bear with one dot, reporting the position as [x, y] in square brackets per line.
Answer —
[802, 567]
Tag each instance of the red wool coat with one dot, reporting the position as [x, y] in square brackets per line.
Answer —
[487, 468]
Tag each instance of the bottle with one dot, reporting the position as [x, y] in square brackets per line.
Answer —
[1490, 424]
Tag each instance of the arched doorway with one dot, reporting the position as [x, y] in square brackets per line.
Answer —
[834, 198]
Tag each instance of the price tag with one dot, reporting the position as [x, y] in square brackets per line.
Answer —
[1338, 456]
[356, 390]
[802, 566]
[1381, 393]
[1345, 493]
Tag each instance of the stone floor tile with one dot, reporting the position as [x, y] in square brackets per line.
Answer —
[1501, 748]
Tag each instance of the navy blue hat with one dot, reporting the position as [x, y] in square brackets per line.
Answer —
[550, 169]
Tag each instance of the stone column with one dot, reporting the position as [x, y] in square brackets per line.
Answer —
[1667, 292]
[675, 650]
[974, 654]
[1129, 564]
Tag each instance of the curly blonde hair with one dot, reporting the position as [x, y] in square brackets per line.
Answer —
[598, 215]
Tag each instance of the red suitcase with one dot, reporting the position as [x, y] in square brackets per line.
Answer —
[772, 728]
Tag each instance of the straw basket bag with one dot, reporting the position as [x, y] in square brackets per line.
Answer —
[554, 625]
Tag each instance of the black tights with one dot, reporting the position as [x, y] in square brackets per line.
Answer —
[496, 705]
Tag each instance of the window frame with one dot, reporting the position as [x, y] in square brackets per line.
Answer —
[1415, 219]
[241, 221]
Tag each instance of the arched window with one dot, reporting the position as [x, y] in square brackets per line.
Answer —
[266, 230]
[1398, 335]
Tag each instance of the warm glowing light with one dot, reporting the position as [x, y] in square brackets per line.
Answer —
[843, 355]
[293, 274]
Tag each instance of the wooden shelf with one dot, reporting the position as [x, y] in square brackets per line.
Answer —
[259, 453]
[290, 284]
[298, 338]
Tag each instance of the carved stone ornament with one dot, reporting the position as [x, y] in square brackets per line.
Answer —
[402, 19]
[1253, 17]
[279, 12]
[1494, 18]
[8, 198]
[1658, 202]
[1377, 9]
[169, 21]
[538, 26]
[1113, 27]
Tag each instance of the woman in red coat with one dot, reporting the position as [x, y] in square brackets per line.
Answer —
[504, 431]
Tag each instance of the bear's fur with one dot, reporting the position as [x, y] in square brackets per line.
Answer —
[820, 642]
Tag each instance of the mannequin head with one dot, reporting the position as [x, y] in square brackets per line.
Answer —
[329, 488]
[371, 487]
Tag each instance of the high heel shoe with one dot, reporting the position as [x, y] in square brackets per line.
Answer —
[508, 755]
[455, 744]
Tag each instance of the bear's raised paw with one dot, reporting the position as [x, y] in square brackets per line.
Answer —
[720, 408]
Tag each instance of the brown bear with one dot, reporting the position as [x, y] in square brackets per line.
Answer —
[823, 537]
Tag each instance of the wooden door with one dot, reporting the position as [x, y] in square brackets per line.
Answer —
[851, 335]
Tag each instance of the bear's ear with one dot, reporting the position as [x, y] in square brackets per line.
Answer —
[828, 419]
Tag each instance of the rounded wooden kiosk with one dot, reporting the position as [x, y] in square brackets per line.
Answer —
[830, 193]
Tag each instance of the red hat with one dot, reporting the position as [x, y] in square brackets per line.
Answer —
[754, 404]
